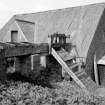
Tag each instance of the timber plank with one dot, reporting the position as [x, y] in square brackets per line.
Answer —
[80, 77]
[73, 66]
[67, 69]
[65, 55]
[25, 50]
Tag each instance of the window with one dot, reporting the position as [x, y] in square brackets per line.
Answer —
[14, 36]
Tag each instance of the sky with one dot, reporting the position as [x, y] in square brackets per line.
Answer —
[8, 8]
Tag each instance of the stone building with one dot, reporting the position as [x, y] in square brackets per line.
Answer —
[85, 25]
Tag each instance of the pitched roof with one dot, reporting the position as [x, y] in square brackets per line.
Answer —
[5, 28]
[80, 22]
[27, 28]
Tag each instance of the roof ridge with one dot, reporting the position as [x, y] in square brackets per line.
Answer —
[53, 10]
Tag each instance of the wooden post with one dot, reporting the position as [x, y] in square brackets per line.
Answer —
[96, 70]
[32, 62]
[68, 70]
[50, 41]
[43, 60]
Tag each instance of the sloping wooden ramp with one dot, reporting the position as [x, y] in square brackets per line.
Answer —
[79, 76]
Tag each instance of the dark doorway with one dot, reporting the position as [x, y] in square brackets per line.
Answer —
[101, 69]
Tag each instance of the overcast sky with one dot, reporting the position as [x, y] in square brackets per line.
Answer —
[10, 7]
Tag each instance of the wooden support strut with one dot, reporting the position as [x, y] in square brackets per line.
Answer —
[67, 69]
[96, 70]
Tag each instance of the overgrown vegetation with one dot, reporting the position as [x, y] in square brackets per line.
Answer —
[65, 93]
[43, 78]
[21, 90]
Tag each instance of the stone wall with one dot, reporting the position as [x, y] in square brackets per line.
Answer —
[23, 64]
[54, 67]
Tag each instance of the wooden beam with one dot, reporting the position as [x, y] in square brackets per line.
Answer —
[25, 50]
[5, 45]
[32, 62]
[96, 70]
[67, 69]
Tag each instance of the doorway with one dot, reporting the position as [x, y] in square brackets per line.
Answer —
[14, 36]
